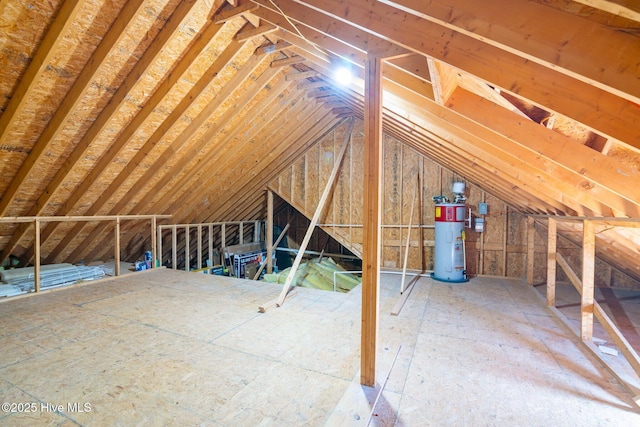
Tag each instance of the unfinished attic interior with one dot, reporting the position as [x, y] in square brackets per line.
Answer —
[203, 222]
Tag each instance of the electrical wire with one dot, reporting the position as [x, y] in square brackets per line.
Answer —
[284, 15]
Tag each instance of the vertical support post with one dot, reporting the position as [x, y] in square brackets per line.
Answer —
[423, 261]
[154, 241]
[36, 251]
[372, 218]
[174, 247]
[551, 262]
[505, 236]
[116, 254]
[199, 262]
[241, 232]
[187, 267]
[210, 245]
[159, 240]
[269, 231]
[609, 275]
[531, 233]
[588, 274]
[256, 231]
[223, 244]
[481, 261]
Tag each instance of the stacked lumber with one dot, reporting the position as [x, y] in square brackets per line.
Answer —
[318, 273]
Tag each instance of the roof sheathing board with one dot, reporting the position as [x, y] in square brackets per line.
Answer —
[147, 185]
[144, 132]
[149, 21]
[23, 29]
[288, 137]
[212, 123]
[146, 21]
[242, 159]
[48, 91]
[169, 189]
[228, 149]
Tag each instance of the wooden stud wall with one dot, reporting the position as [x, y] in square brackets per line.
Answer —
[500, 251]
[204, 241]
[569, 245]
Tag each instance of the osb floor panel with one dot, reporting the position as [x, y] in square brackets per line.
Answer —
[623, 308]
[173, 348]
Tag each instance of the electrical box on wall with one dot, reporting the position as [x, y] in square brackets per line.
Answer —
[482, 208]
[478, 225]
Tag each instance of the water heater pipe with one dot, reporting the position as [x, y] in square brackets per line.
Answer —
[464, 251]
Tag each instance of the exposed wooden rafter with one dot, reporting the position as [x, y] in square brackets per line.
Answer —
[128, 132]
[161, 186]
[234, 12]
[565, 43]
[624, 8]
[178, 72]
[524, 98]
[542, 85]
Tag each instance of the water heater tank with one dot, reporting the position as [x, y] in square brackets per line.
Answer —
[449, 258]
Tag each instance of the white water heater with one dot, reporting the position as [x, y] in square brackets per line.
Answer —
[449, 258]
[449, 255]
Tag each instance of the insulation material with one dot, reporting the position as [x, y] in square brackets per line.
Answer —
[324, 274]
[20, 273]
[21, 280]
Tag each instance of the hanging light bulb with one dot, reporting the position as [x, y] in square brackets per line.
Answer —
[342, 75]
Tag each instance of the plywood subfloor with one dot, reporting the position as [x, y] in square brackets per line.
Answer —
[174, 348]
